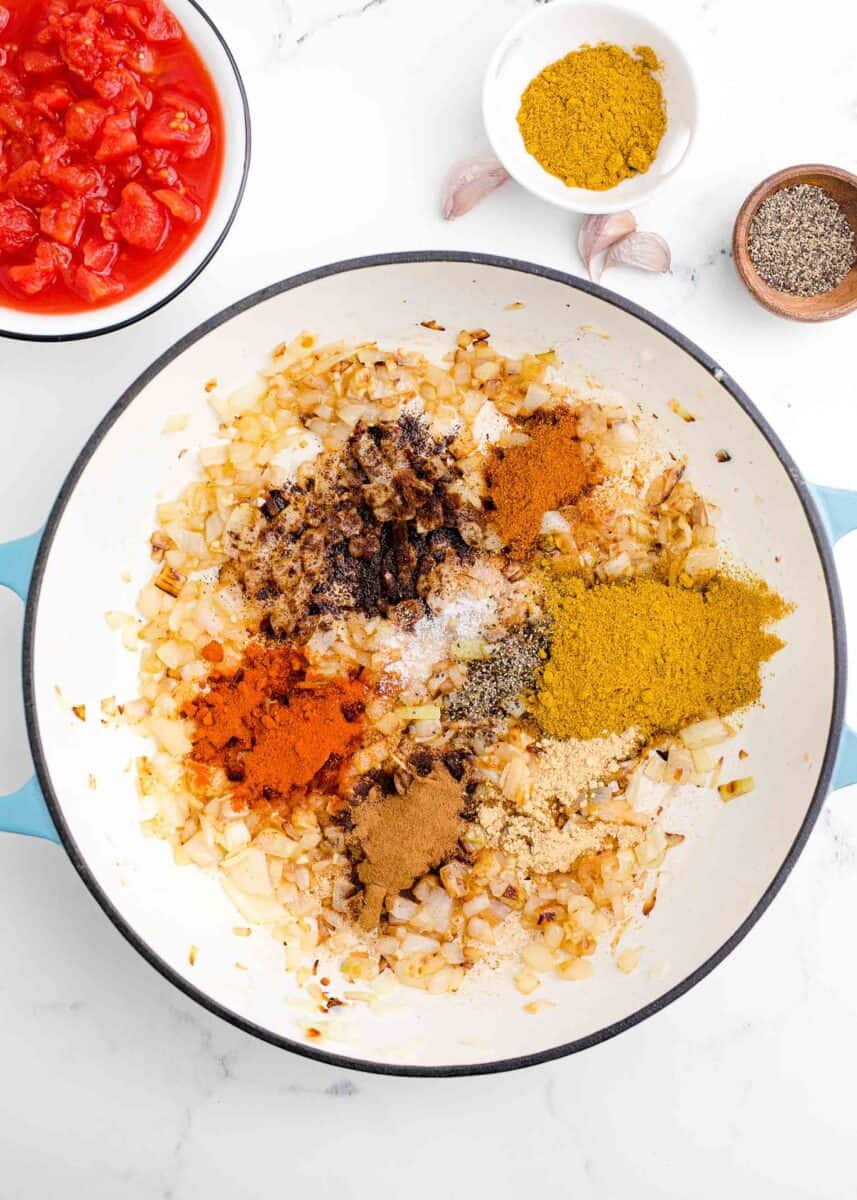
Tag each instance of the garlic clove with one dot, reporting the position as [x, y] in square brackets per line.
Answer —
[598, 232]
[643, 250]
[468, 181]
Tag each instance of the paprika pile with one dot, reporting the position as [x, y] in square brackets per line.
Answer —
[271, 729]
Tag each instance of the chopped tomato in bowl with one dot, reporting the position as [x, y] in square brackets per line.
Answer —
[124, 144]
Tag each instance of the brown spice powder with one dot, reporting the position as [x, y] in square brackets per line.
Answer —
[402, 837]
[527, 481]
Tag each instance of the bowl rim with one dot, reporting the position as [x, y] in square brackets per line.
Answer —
[811, 514]
[593, 203]
[113, 326]
[775, 182]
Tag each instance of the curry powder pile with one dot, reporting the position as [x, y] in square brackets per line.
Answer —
[648, 656]
[595, 117]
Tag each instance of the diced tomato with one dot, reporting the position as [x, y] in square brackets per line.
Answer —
[17, 151]
[98, 255]
[115, 49]
[175, 129]
[101, 201]
[109, 230]
[90, 207]
[32, 278]
[78, 181]
[156, 158]
[139, 218]
[14, 116]
[62, 219]
[83, 120]
[144, 60]
[52, 99]
[123, 88]
[17, 226]
[55, 10]
[80, 52]
[130, 167]
[117, 138]
[94, 288]
[164, 176]
[62, 255]
[159, 26]
[181, 206]
[26, 184]
[173, 98]
[11, 87]
[37, 62]
[53, 147]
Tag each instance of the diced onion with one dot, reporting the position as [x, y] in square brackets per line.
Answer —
[200, 852]
[554, 522]
[470, 650]
[418, 712]
[736, 787]
[248, 870]
[712, 732]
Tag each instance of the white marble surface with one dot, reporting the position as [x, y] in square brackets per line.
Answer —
[112, 1084]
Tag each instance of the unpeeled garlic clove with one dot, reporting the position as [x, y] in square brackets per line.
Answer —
[643, 250]
[469, 181]
[598, 233]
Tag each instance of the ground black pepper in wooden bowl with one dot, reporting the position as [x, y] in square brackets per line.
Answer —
[795, 242]
[800, 241]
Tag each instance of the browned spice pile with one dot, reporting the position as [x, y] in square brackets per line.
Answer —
[403, 836]
[526, 481]
[363, 535]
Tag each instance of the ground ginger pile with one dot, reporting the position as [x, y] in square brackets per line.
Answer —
[652, 657]
[595, 117]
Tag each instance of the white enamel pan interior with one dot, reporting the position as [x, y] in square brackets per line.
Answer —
[99, 529]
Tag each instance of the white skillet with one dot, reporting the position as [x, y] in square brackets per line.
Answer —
[737, 854]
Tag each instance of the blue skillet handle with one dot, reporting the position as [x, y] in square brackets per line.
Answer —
[24, 811]
[839, 509]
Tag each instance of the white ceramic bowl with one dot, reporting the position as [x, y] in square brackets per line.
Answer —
[549, 33]
[59, 327]
[737, 854]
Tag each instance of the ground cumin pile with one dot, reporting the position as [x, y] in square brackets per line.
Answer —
[402, 837]
[528, 480]
[647, 656]
[595, 117]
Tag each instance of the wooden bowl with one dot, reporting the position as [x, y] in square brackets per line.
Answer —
[838, 302]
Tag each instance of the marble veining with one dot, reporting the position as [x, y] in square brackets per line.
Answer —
[117, 1087]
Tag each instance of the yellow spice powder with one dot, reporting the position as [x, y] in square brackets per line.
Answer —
[595, 117]
[653, 657]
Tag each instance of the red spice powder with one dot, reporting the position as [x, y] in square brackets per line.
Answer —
[527, 481]
[271, 729]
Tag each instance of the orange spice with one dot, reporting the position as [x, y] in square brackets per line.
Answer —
[212, 652]
[526, 481]
[273, 730]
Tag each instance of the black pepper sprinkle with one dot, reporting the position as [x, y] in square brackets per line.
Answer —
[800, 241]
[496, 685]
